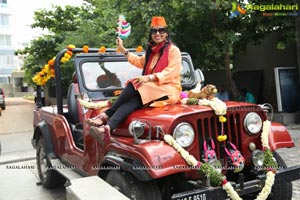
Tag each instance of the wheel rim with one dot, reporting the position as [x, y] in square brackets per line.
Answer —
[43, 162]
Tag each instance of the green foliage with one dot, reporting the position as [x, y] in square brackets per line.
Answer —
[37, 55]
[269, 161]
[113, 99]
[192, 101]
[202, 28]
[208, 171]
[57, 21]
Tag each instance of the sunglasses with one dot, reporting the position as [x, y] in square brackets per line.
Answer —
[160, 30]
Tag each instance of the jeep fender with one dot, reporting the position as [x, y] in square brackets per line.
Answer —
[42, 130]
[149, 160]
[117, 161]
[279, 137]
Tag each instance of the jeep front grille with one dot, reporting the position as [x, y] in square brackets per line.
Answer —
[210, 127]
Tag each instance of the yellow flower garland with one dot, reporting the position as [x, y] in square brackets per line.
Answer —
[47, 71]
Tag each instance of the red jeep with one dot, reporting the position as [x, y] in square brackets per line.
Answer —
[138, 161]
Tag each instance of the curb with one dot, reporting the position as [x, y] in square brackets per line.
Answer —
[14, 157]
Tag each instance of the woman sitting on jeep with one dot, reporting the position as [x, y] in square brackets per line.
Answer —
[160, 80]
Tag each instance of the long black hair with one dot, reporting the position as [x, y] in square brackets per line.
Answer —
[151, 43]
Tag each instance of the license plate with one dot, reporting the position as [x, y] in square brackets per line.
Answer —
[201, 196]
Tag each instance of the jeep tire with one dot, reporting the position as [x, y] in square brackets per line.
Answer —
[48, 176]
[281, 190]
[131, 187]
[3, 105]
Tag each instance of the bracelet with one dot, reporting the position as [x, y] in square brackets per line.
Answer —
[126, 53]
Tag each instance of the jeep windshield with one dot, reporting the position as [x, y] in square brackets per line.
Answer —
[108, 75]
[114, 74]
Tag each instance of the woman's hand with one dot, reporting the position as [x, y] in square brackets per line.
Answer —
[119, 43]
[141, 79]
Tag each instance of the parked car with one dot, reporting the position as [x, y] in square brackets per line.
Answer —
[138, 161]
[2, 99]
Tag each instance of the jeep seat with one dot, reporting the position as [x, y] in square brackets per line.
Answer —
[74, 114]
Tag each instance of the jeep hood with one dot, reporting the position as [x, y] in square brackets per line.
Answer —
[168, 115]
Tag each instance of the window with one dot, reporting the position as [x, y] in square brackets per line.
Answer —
[4, 20]
[5, 40]
[3, 1]
[6, 59]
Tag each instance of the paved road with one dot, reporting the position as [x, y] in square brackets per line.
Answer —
[17, 165]
[17, 162]
[291, 157]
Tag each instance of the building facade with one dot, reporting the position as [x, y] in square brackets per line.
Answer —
[7, 57]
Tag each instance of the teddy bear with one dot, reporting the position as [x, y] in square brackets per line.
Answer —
[207, 92]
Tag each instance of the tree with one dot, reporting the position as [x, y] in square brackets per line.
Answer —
[57, 22]
[202, 28]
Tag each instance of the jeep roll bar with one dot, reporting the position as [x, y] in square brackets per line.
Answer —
[57, 63]
[58, 83]
[199, 78]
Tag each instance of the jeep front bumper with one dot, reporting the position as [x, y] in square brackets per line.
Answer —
[243, 188]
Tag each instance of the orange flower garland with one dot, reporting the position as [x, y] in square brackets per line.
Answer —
[139, 49]
[85, 49]
[47, 71]
[102, 49]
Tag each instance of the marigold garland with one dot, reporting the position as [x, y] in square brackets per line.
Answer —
[102, 49]
[139, 49]
[85, 49]
[47, 72]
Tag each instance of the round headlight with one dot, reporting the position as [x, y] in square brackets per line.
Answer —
[184, 134]
[136, 128]
[252, 123]
[258, 158]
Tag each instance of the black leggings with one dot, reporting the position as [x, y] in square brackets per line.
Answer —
[128, 101]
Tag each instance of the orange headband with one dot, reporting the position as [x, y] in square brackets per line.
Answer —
[158, 21]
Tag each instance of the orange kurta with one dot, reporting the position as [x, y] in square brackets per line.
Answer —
[169, 80]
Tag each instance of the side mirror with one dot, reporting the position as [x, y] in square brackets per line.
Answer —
[199, 76]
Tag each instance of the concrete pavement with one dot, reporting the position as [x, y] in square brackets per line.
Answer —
[19, 182]
[16, 130]
[291, 157]
[18, 170]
